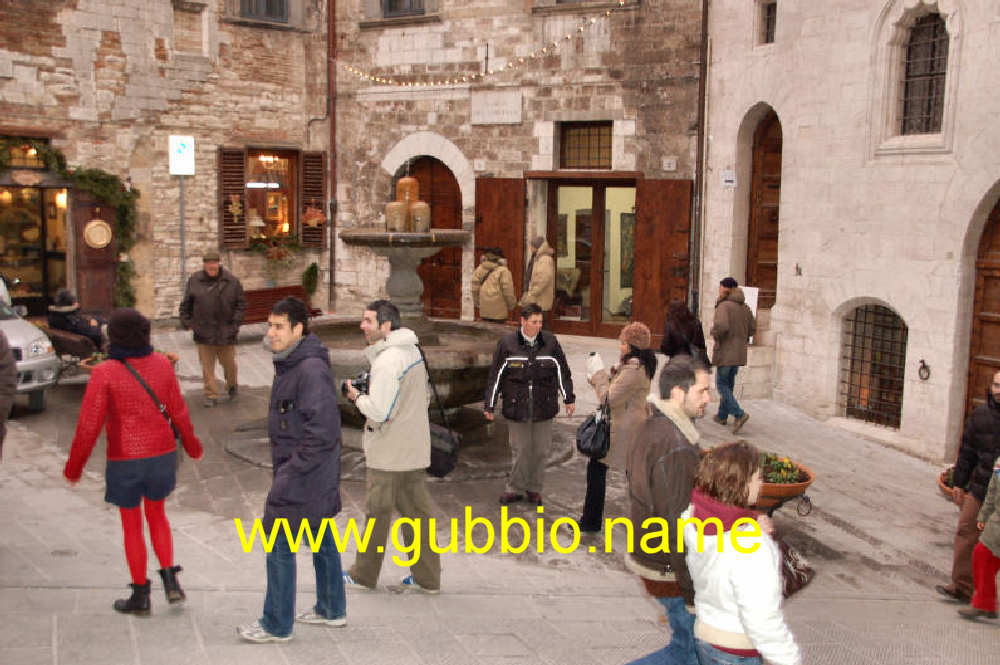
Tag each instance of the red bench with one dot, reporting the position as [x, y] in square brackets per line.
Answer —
[260, 301]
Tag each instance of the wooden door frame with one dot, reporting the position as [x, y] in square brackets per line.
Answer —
[756, 179]
[985, 266]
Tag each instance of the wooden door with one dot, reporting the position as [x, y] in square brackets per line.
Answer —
[442, 273]
[662, 260]
[984, 351]
[765, 191]
[500, 206]
[96, 267]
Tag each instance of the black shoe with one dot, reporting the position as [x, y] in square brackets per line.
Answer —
[232, 393]
[137, 603]
[534, 497]
[973, 613]
[508, 498]
[171, 587]
[721, 421]
[951, 593]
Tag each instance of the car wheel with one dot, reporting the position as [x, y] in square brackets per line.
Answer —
[36, 400]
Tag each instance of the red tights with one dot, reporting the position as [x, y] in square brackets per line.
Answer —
[984, 571]
[135, 543]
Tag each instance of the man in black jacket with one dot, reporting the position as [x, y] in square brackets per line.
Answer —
[303, 423]
[213, 306]
[660, 470]
[976, 457]
[529, 372]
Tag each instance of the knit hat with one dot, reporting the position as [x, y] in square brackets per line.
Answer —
[128, 328]
[729, 283]
[210, 255]
[636, 334]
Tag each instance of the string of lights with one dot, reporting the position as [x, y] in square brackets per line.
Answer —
[512, 64]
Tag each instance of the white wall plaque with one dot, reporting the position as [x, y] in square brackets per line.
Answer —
[729, 179]
[181, 155]
[496, 107]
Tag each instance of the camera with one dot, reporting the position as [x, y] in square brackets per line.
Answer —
[360, 383]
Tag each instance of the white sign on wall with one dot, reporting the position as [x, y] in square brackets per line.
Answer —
[181, 155]
[728, 179]
[496, 107]
[750, 293]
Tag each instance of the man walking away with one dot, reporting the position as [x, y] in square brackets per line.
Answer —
[529, 373]
[213, 306]
[976, 456]
[732, 329]
[303, 424]
[541, 289]
[397, 445]
[660, 470]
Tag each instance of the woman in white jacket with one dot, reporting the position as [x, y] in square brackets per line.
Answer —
[734, 565]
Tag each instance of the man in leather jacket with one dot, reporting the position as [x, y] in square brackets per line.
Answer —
[529, 372]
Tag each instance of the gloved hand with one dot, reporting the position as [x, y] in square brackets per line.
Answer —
[594, 365]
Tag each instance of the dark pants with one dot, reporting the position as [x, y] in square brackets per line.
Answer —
[593, 502]
[966, 537]
[725, 382]
[279, 603]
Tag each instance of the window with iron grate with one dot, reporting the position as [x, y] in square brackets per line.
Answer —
[265, 10]
[768, 21]
[873, 360]
[585, 145]
[925, 66]
[393, 8]
[24, 156]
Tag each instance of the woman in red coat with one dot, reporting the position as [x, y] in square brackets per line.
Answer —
[141, 447]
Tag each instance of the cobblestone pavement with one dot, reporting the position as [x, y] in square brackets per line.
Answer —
[879, 536]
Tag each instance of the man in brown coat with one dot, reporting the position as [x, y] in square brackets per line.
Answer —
[8, 384]
[732, 329]
[213, 306]
[541, 279]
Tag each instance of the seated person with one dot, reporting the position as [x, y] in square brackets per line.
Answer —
[65, 315]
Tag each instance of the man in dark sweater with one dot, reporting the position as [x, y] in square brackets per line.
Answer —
[976, 457]
[660, 469]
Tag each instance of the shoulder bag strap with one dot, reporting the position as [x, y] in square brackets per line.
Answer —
[437, 400]
[156, 400]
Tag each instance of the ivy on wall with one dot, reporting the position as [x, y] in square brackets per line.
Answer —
[101, 185]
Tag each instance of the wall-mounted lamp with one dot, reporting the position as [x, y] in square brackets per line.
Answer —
[61, 199]
[924, 371]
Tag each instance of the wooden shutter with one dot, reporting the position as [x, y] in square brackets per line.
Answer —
[984, 347]
[312, 194]
[500, 206]
[232, 229]
[663, 223]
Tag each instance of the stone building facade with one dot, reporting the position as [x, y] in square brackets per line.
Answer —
[108, 81]
[484, 92]
[852, 176]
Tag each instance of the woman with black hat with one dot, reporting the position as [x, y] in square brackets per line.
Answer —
[126, 391]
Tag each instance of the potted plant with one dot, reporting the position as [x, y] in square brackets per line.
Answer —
[783, 479]
[945, 481]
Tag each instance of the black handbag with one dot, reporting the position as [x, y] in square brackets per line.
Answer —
[795, 570]
[445, 442]
[593, 436]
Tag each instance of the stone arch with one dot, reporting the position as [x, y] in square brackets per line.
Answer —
[741, 198]
[439, 147]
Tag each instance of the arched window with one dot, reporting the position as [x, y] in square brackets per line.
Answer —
[873, 358]
[924, 72]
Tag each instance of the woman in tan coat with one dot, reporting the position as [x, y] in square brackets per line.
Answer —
[625, 387]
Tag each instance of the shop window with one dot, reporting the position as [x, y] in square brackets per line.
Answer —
[271, 195]
[265, 10]
[23, 155]
[873, 358]
[585, 145]
[392, 8]
[924, 76]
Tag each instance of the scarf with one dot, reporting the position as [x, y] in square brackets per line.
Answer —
[281, 355]
[705, 507]
[116, 352]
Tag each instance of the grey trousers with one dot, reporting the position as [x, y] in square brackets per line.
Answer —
[530, 444]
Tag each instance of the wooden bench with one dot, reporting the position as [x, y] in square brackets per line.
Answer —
[260, 301]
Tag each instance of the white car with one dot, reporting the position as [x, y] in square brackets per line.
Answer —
[37, 363]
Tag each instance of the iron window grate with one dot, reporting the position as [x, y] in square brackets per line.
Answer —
[924, 76]
[873, 360]
[768, 21]
[265, 10]
[393, 8]
[585, 145]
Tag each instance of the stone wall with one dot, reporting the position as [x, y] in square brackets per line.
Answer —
[637, 68]
[110, 80]
[864, 217]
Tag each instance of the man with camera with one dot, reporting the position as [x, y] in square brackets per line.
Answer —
[529, 372]
[397, 445]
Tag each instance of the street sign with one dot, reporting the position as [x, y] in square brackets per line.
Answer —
[181, 155]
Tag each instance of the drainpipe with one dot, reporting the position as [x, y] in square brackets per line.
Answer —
[331, 111]
[695, 241]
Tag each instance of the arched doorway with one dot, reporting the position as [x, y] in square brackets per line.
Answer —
[442, 273]
[984, 349]
[873, 364]
[765, 191]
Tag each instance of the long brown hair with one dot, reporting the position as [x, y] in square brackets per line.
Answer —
[724, 472]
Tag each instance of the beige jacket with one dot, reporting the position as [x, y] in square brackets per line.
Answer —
[493, 288]
[542, 282]
[626, 395]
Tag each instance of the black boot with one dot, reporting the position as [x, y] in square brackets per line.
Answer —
[138, 603]
[171, 587]
[593, 503]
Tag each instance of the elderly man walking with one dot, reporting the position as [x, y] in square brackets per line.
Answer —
[213, 306]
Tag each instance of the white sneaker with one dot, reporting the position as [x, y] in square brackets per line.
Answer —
[254, 632]
[349, 583]
[409, 585]
[319, 619]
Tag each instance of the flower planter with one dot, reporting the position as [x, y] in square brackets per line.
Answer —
[771, 494]
[943, 486]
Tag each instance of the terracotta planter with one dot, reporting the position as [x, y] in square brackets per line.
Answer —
[771, 494]
[943, 485]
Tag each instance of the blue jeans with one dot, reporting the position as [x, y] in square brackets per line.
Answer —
[279, 603]
[709, 655]
[680, 651]
[725, 381]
